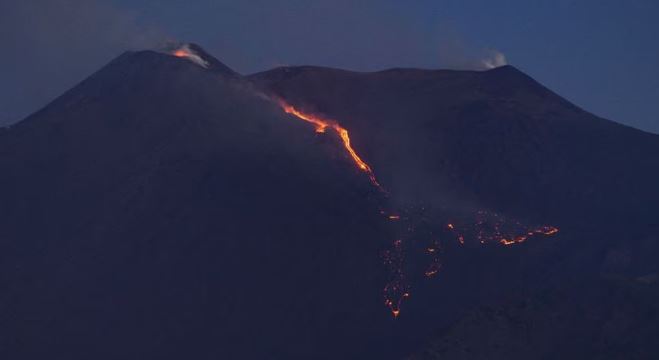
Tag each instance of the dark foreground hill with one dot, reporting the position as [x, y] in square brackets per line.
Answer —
[163, 210]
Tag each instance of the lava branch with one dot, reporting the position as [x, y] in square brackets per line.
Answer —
[494, 228]
[321, 125]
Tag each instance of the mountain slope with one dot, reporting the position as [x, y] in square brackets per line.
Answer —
[168, 207]
[160, 209]
[615, 319]
[497, 138]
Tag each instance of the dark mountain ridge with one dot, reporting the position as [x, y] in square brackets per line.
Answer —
[163, 209]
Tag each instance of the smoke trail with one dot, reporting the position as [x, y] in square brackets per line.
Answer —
[184, 51]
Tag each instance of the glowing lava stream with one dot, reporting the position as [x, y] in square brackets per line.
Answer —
[322, 125]
[396, 290]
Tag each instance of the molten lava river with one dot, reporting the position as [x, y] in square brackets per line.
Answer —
[321, 125]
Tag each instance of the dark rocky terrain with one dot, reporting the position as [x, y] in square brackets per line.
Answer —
[161, 209]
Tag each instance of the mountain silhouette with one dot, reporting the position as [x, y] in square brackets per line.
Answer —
[170, 208]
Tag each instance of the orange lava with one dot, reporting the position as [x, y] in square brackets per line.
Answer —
[507, 242]
[321, 125]
[544, 230]
[489, 228]
[395, 307]
[547, 230]
[433, 269]
[431, 272]
[181, 53]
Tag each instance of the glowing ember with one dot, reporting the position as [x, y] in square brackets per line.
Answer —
[433, 269]
[547, 230]
[435, 252]
[321, 125]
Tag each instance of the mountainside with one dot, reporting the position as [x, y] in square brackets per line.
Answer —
[168, 207]
[155, 209]
[612, 318]
[498, 138]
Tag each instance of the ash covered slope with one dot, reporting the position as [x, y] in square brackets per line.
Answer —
[498, 138]
[163, 210]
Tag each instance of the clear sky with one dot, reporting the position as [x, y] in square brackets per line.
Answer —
[602, 55]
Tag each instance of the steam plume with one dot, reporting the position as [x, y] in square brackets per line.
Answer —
[184, 51]
[496, 60]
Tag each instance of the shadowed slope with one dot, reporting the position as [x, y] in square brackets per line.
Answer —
[158, 210]
[163, 209]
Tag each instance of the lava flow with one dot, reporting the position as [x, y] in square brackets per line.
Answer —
[396, 290]
[489, 227]
[321, 125]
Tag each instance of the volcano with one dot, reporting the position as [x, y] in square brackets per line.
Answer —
[168, 207]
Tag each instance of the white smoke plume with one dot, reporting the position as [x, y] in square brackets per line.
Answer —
[184, 51]
[497, 59]
[454, 52]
